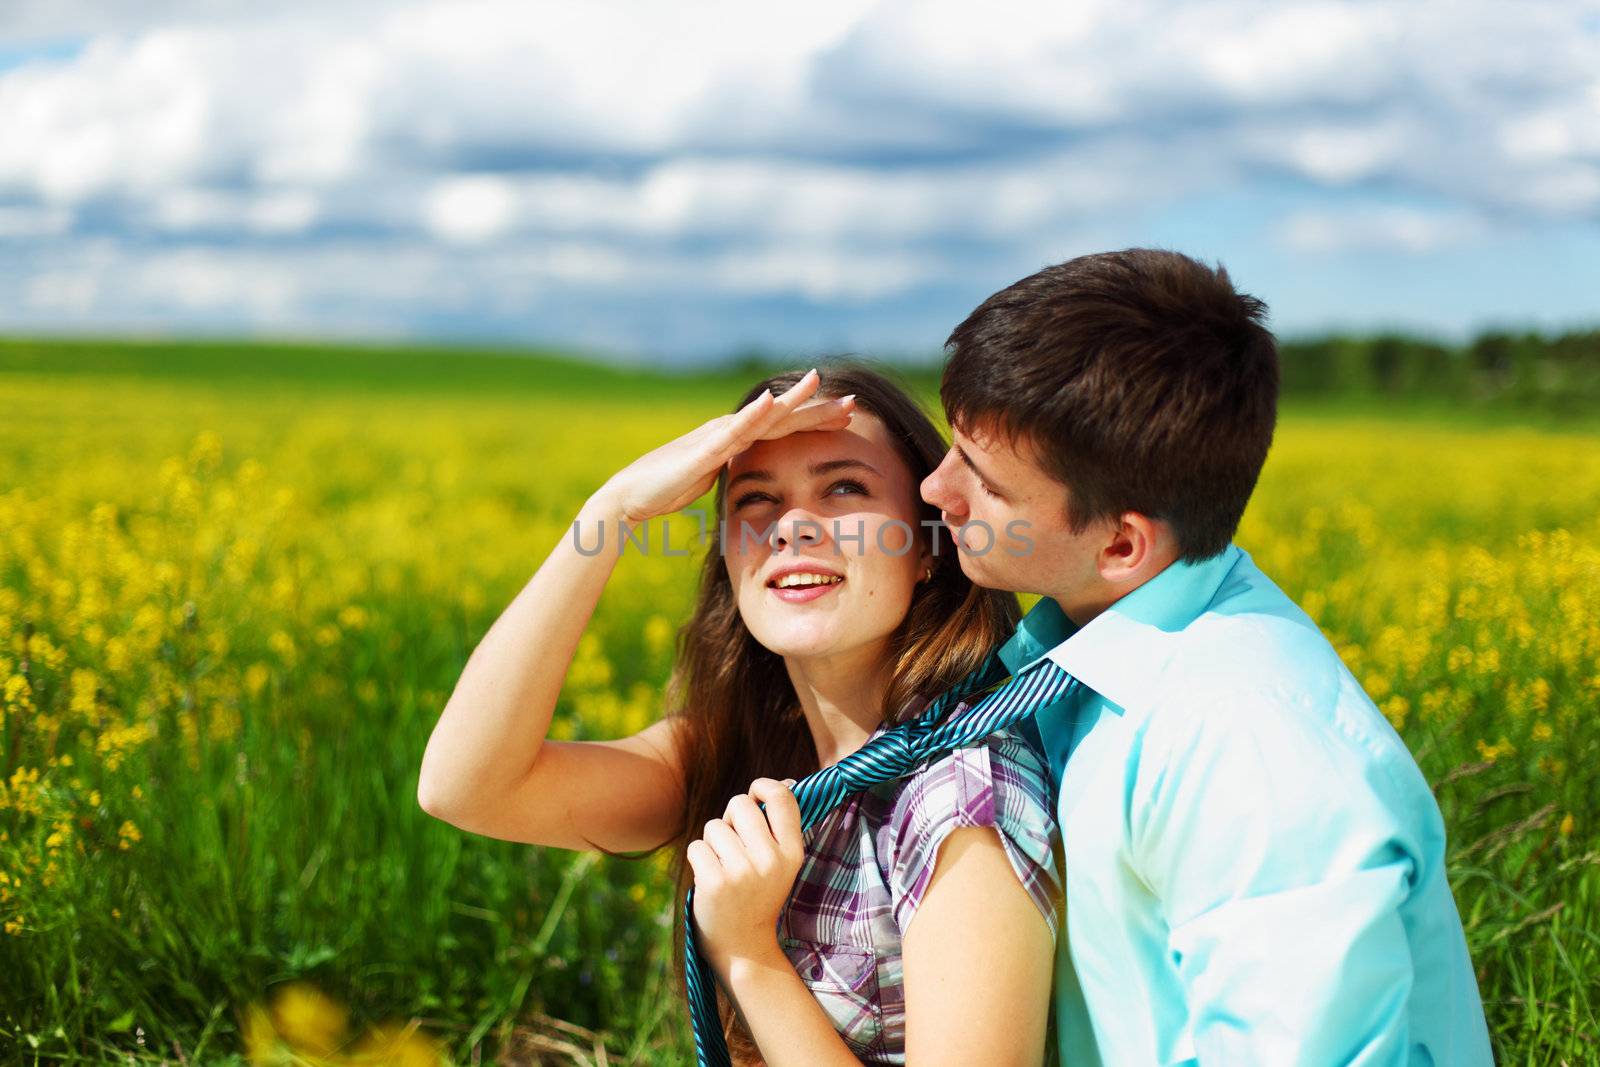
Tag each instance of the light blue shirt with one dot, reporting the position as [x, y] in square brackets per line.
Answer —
[1255, 864]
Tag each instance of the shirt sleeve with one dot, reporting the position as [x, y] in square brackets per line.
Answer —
[1001, 782]
[1281, 858]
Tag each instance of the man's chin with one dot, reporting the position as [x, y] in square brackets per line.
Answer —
[979, 572]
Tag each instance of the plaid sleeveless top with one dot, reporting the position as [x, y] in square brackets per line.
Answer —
[869, 862]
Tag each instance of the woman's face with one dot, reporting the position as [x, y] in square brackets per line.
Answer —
[821, 539]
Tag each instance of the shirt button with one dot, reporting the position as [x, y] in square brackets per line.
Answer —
[816, 970]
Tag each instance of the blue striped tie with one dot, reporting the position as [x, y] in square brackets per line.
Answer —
[893, 754]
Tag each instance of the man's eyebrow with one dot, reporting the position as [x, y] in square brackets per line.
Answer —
[992, 484]
[825, 467]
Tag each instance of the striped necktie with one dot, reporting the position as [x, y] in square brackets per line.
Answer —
[892, 754]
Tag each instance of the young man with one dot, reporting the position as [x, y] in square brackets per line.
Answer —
[1255, 864]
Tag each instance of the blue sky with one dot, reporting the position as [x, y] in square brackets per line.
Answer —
[679, 182]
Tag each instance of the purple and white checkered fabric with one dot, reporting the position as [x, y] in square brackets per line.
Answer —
[868, 863]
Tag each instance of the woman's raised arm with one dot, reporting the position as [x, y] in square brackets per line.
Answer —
[487, 767]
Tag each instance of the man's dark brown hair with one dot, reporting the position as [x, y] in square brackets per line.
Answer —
[1140, 380]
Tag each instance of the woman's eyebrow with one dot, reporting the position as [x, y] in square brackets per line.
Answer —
[825, 467]
[842, 464]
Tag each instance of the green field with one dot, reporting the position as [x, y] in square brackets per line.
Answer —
[238, 583]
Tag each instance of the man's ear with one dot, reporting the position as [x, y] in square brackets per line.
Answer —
[1137, 549]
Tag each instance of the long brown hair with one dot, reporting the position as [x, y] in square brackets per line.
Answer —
[738, 716]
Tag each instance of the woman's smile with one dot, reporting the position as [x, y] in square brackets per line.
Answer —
[803, 583]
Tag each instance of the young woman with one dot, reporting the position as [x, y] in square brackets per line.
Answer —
[916, 921]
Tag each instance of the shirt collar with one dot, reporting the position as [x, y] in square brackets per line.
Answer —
[1120, 652]
[1044, 627]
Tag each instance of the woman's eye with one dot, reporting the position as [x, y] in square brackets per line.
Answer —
[846, 485]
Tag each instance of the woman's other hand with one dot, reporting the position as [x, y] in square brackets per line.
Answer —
[679, 472]
[744, 869]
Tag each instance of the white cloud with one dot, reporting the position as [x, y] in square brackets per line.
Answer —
[1341, 89]
[746, 199]
[64, 292]
[273, 212]
[33, 221]
[821, 273]
[470, 209]
[1383, 228]
[1336, 153]
[350, 155]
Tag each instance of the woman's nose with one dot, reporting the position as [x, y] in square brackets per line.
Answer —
[796, 528]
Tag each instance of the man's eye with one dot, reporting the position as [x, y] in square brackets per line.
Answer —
[847, 483]
[986, 489]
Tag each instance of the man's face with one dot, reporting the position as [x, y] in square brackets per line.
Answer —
[1009, 519]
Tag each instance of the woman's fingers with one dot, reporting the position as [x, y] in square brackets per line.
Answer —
[785, 403]
[800, 391]
[703, 861]
[751, 826]
[767, 417]
[830, 414]
[782, 814]
[754, 414]
[729, 848]
[732, 434]
[816, 415]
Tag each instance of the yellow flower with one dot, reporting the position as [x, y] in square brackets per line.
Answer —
[1542, 732]
[128, 835]
[396, 1045]
[84, 688]
[255, 678]
[1495, 751]
[658, 634]
[17, 694]
[206, 450]
[310, 1020]
[283, 645]
[1567, 824]
[261, 1044]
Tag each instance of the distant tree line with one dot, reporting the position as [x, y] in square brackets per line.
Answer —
[1556, 373]
[1559, 374]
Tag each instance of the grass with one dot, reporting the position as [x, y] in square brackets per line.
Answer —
[237, 584]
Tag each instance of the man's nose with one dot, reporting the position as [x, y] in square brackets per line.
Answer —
[936, 492]
[932, 487]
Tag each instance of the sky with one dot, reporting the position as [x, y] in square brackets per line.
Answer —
[682, 182]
